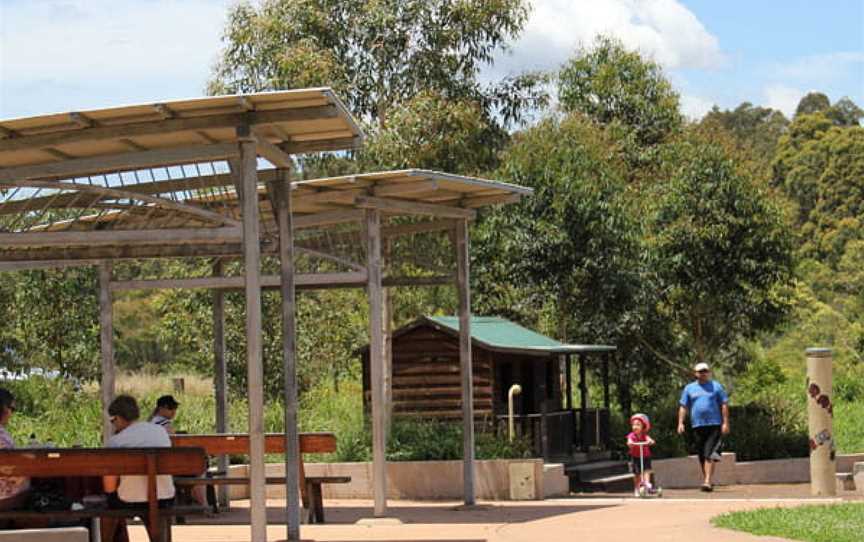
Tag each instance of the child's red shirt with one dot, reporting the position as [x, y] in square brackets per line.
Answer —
[634, 450]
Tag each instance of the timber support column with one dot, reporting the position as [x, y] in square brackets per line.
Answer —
[106, 340]
[220, 373]
[375, 291]
[248, 176]
[465, 365]
[280, 196]
[820, 417]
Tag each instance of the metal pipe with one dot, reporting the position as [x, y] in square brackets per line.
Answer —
[514, 390]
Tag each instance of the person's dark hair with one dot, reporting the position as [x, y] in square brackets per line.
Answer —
[124, 406]
[167, 401]
[6, 399]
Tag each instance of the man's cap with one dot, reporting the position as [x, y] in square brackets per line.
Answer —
[702, 366]
[167, 401]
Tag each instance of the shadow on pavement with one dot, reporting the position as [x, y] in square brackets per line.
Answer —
[425, 514]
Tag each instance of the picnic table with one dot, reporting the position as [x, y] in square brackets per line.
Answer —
[274, 443]
[98, 462]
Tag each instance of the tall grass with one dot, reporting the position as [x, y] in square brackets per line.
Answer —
[55, 411]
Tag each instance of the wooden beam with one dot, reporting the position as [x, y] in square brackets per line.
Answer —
[280, 194]
[321, 280]
[324, 145]
[414, 208]
[106, 341]
[327, 218]
[123, 252]
[164, 111]
[404, 188]
[166, 126]
[254, 361]
[465, 364]
[336, 197]
[220, 374]
[374, 290]
[81, 119]
[274, 154]
[118, 162]
[121, 237]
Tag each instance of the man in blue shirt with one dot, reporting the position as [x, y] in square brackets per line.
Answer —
[707, 402]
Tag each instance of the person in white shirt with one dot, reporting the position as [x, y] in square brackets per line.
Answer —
[163, 414]
[131, 491]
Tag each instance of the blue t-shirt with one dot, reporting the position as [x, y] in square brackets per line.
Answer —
[704, 401]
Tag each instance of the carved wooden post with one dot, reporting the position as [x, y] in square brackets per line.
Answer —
[820, 415]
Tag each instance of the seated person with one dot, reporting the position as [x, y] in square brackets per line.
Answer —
[14, 490]
[131, 491]
[163, 414]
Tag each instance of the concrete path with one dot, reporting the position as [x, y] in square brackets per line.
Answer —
[685, 516]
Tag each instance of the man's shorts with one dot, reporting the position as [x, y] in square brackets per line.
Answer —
[635, 466]
[708, 442]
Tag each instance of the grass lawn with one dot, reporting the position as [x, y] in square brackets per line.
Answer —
[820, 523]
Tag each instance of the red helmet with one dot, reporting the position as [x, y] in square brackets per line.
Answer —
[646, 423]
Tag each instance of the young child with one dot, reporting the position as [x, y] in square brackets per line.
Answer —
[640, 425]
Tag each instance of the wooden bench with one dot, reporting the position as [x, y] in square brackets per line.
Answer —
[274, 443]
[97, 462]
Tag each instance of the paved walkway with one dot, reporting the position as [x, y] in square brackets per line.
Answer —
[683, 516]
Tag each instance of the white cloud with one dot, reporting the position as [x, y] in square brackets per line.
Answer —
[695, 107]
[664, 30]
[783, 98]
[95, 44]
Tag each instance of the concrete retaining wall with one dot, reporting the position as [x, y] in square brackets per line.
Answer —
[684, 472]
[529, 479]
[502, 479]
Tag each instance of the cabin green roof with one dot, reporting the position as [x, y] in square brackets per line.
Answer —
[501, 334]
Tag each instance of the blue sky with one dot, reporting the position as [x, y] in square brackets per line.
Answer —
[62, 55]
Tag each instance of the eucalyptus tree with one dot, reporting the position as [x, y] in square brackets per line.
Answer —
[375, 54]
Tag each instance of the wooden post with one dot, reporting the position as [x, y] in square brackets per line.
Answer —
[106, 340]
[254, 362]
[583, 403]
[540, 372]
[281, 200]
[569, 381]
[220, 372]
[820, 416]
[606, 400]
[388, 346]
[376, 360]
[466, 369]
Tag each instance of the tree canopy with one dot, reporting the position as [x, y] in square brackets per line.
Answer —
[375, 54]
[612, 84]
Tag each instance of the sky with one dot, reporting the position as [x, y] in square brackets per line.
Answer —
[67, 55]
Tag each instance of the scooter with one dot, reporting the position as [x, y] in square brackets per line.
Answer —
[646, 490]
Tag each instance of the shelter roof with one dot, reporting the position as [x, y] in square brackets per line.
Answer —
[304, 120]
[502, 335]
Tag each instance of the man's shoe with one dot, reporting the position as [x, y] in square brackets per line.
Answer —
[706, 488]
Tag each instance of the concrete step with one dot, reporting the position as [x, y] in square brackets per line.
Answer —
[596, 469]
[615, 483]
[606, 476]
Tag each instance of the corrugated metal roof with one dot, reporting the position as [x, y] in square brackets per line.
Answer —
[502, 334]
